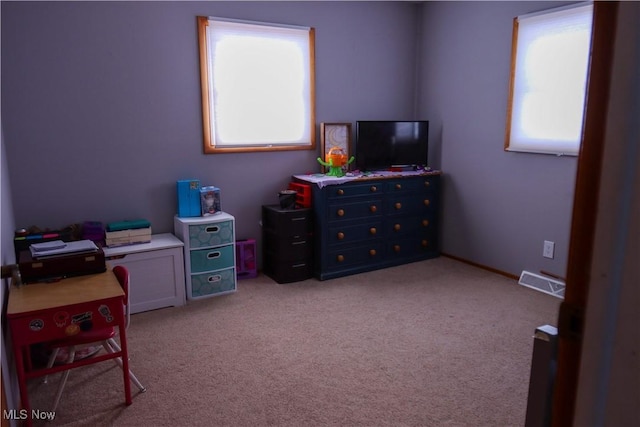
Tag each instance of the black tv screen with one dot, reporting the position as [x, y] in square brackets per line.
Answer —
[385, 144]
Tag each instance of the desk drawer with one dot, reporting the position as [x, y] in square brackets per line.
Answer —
[211, 259]
[213, 234]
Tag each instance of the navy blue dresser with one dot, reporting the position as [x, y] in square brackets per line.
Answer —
[367, 223]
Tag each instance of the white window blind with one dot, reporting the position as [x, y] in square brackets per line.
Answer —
[549, 79]
[260, 84]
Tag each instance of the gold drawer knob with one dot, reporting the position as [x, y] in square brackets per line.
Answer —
[373, 208]
[426, 202]
[340, 258]
[396, 227]
[340, 192]
[425, 243]
[372, 252]
[427, 183]
[340, 212]
[373, 230]
[425, 222]
[374, 189]
[398, 205]
[340, 235]
[396, 248]
[398, 186]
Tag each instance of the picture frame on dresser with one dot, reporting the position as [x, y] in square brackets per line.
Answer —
[335, 135]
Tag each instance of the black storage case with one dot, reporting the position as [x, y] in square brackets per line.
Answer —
[287, 247]
[36, 270]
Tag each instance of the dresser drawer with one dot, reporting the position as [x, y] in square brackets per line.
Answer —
[363, 209]
[401, 226]
[348, 233]
[348, 256]
[410, 246]
[409, 204]
[211, 259]
[212, 283]
[212, 234]
[414, 185]
[344, 191]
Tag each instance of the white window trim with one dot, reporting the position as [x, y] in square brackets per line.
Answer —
[514, 140]
[210, 144]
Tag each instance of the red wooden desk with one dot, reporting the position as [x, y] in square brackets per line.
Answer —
[47, 311]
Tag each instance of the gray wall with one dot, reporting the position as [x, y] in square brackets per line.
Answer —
[109, 99]
[101, 113]
[101, 103]
[498, 207]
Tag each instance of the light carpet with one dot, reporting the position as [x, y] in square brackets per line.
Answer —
[432, 343]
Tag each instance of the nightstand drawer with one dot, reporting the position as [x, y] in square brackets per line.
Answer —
[212, 234]
[213, 283]
[211, 259]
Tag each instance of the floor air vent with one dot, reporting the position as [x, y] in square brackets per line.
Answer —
[542, 283]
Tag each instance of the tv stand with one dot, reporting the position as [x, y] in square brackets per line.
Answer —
[373, 221]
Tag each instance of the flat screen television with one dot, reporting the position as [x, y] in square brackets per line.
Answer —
[387, 144]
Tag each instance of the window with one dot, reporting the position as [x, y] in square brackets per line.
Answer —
[257, 85]
[549, 65]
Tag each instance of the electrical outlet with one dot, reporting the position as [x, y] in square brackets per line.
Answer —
[548, 249]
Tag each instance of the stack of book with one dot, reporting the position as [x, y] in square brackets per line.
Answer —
[128, 232]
